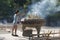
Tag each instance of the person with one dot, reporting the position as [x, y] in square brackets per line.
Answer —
[15, 22]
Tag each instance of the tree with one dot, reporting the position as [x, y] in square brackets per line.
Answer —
[6, 7]
[58, 3]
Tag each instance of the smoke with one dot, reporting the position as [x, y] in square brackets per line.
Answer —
[43, 8]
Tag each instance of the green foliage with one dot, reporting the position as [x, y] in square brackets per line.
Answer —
[5, 7]
[55, 16]
[22, 2]
[58, 3]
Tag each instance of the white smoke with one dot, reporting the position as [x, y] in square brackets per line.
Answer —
[43, 8]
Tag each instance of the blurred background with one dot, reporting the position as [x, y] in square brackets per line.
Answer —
[47, 9]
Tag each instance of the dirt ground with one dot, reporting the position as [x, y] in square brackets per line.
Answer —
[6, 35]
